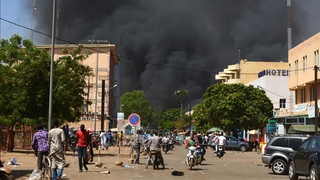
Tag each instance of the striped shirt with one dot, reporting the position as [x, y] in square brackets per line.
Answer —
[40, 139]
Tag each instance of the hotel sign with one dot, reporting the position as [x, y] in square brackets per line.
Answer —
[273, 72]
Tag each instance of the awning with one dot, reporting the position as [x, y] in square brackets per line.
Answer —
[300, 129]
[215, 129]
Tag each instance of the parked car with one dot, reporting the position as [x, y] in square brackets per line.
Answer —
[233, 143]
[277, 152]
[305, 161]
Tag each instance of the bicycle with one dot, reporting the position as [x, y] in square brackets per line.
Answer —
[46, 167]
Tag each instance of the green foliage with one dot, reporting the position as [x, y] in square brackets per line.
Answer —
[25, 82]
[233, 106]
[136, 102]
[169, 119]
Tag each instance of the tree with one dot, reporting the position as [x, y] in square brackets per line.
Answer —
[136, 102]
[169, 119]
[25, 79]
[181, 93]
[232, 106]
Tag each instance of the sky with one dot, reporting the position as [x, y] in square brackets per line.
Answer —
[171, 44]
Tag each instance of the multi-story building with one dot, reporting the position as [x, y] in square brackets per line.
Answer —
[103, 61]
[302, 80]
[272, 77]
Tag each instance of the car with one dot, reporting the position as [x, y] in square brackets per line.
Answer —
[277, 152]
[305, 161]
[233, 143]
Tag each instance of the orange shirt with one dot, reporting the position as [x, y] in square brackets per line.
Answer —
[82, 138]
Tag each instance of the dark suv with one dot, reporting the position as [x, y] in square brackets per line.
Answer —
[305, 161]
[278, 150]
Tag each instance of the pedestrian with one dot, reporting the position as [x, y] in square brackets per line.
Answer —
[137, 145]
[66, 134]
[90, 146]
[108, 137]
[40, 145]
[103, 139]
[120, 137]
[82, 138]
[56, 141]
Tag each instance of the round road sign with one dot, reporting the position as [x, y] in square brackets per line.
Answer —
[134, 119]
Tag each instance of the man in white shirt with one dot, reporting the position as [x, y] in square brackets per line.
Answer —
[222, 141]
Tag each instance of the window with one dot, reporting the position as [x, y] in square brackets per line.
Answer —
[316, 58]
[304, 63]
[304, 144]
[303, 95]
[296, 66]
[313, 143]
[312, 93]
[282, 103]
[278, 142]
[294, 142]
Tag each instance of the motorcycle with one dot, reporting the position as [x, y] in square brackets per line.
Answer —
[220, 151]
[165, 147]
[171, 144]
[155, 159]
[72, 143]
[5, 173]
[193, 157]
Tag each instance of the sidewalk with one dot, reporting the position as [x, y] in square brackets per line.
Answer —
[27, 162]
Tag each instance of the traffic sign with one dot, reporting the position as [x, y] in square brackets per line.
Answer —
[134, 119]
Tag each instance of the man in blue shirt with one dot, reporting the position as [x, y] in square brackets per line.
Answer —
[40, 144]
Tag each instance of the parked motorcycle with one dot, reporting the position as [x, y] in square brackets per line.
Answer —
[193, 157]
[220, 151]
[5, 173]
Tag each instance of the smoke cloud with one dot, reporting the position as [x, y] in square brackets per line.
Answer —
[196, 38]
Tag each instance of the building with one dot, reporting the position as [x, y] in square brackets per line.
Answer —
[302, 61]
[103, 61]
[246, 71]
[272, 77]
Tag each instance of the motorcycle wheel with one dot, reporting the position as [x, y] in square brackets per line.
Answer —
[4, 176]
[190, 164]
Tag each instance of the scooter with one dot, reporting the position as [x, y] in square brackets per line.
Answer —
[193, 157]
[5, 173]
[220, 151]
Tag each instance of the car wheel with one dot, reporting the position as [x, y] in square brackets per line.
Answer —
[243, 148]
[313, 173]
[279, 166]
[292, 172]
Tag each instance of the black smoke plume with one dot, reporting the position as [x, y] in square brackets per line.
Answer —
[191, 40]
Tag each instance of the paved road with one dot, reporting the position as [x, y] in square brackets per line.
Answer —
[234, 165]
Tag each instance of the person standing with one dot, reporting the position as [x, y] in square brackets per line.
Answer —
[40, 144]
[108, 137]
[103, 139]
[56, 141]
[82, 138]
[137, 145]
[120, 137]
[90, 146]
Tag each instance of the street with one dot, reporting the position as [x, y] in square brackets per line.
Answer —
[234, 165]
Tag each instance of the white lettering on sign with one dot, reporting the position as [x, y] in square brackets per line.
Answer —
[273, 72]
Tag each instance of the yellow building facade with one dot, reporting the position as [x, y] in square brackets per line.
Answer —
[102, 61]
[247, 71]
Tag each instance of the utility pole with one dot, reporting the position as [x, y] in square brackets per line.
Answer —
[316, 109]
[32, 22]
[96, 74]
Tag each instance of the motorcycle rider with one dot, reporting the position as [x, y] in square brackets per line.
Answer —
[154, 144]
[202, 145]
[222, 142]
[165, 143]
